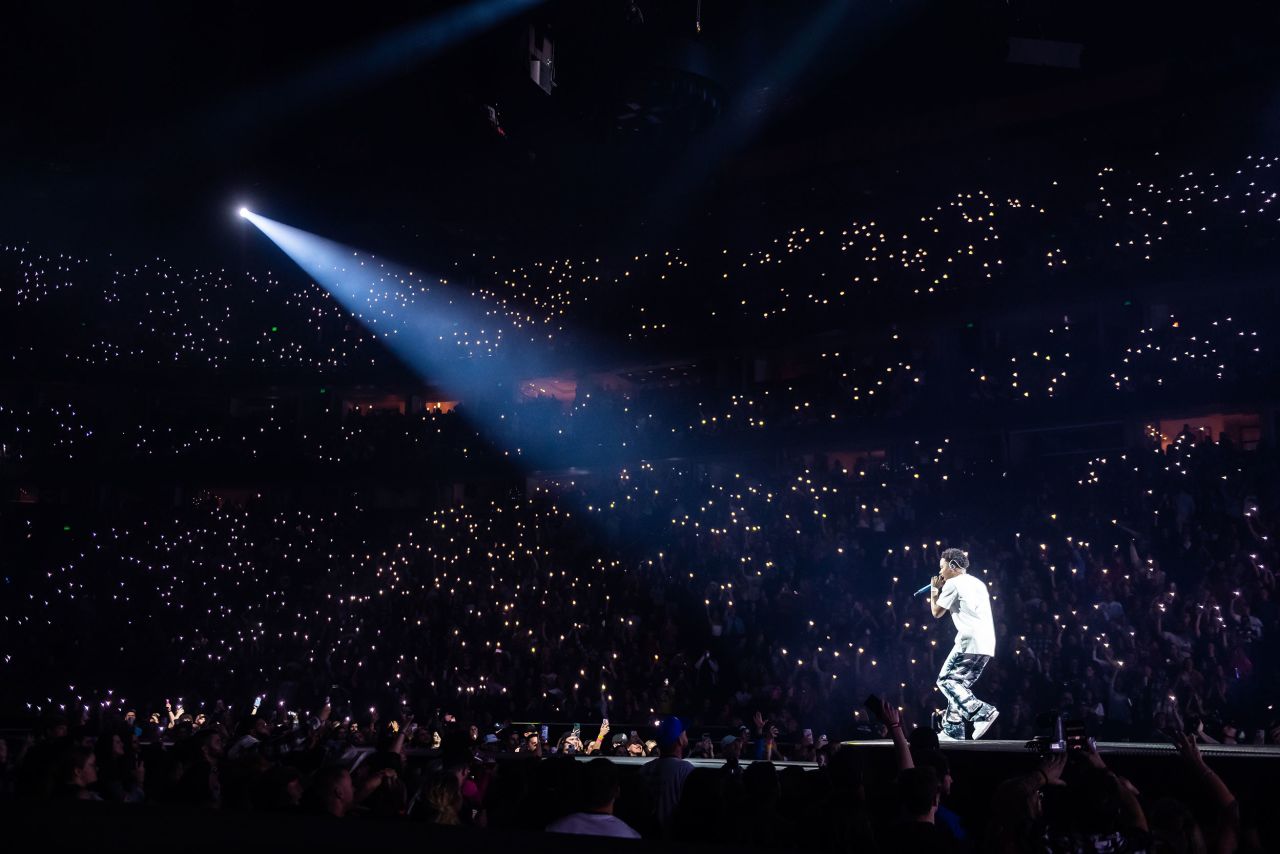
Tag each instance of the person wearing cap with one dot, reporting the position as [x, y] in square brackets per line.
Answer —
[664, 776]
[731, 749]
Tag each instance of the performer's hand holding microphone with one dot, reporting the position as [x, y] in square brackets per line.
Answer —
[937, 581]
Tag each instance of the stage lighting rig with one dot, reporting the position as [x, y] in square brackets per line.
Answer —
[542, 58]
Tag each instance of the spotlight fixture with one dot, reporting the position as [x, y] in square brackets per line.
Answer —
[244, 212]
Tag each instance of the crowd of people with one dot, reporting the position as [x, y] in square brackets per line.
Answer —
[1135, 591]
[512, 780]
[1106, 224]
[351, 651]
[855, 388]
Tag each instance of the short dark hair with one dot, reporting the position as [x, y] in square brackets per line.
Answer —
[599, 782]
[73, 758]
[958, 557]
[918, 789]
[325, 784]
[935, 759]
[760, 780]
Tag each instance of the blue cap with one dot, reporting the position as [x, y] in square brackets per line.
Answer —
[669, 730]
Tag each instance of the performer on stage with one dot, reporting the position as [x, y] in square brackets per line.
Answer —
[957, 592]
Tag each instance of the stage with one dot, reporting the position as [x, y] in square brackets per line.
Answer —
[1009, 751]
[1105, 748]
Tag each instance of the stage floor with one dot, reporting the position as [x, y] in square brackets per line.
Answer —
[989, 746]
[702, 763]
[1128, 748]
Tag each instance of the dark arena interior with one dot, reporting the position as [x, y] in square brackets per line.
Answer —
[635, 424]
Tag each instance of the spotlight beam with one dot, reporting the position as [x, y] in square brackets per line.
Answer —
[440, 332]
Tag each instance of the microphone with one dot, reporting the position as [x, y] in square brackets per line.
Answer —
[923, 590]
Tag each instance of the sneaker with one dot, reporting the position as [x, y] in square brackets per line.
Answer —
[982, 724]
[942, 736]
[936, 719]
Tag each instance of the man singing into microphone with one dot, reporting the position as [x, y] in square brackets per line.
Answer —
[957, 592]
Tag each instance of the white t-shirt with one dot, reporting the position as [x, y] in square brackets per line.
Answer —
[970, 606]
[593, 824]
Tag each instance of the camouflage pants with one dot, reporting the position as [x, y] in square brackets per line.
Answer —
[955, 681]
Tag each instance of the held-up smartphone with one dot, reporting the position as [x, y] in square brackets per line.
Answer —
[544, 733]
[875, 706]
[577, 731]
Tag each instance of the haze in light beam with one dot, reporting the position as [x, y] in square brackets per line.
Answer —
[447, 336]
[459, 343]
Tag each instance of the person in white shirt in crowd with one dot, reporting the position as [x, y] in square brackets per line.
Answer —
[600, 789]
[958, 593]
